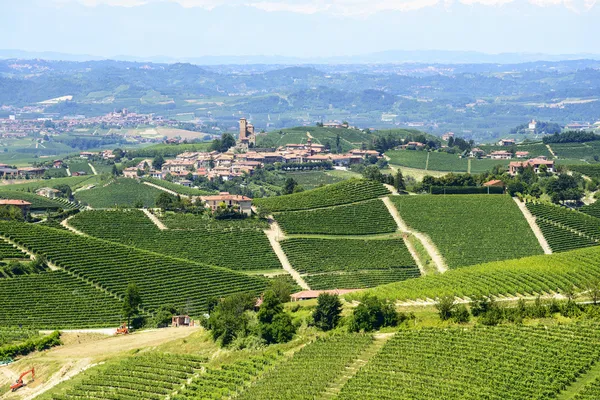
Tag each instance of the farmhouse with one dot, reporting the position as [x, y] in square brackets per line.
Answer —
[476, 152]
[506, 142]
[242, 202]
[130, 172]
[494, 183]
[32, 172]
[446, 136]
[522, 154]
[86, 154]
[21, 204]
[501, 155]
[413, 146]
[47, 192]
[57, 164]
[6, 171]
[536, 163]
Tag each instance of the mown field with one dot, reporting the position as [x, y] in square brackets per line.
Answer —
[350, 191]
[369, 217]
[234, 246]
[470, 229]
[122, 192]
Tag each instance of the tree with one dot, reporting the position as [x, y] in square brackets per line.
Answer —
[131, 302]
[289, 186]
[399, 184]
[328, 311]
[372, 172]
[281, 288]
[163, 316]
[11, 213]
[158, 162]
[228, 319]
[274, 325]
[461, 314]
[115, 170]
[65, 190]
[165, 201]
[372, 314]
[445, 305]
[594, 290]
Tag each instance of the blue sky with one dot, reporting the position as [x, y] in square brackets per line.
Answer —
[299, 28]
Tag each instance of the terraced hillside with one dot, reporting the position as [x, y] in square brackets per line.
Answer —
[112, 266]
[122, 192]
[526, 276]
[350, 263]
[504, 362]
[369, 217]
[566, 229]
[184, 190]
[55, 300]
[242, 246]
[470, 229]
[38, 203]
[350, 191]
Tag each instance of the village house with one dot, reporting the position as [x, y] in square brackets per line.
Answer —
[494, 183]
[536, 163]
[522, 154]
[506, 142]
[446, 136]
[131, 172]
[7, 171]
[32, 172]
[243, 203]
[476, 153]
[23, 205]
[107, 155]
[57, 164]
[47, 192]
[501, 155]
[178, 165]
[86, 154]
[413, 146]
[532, 125]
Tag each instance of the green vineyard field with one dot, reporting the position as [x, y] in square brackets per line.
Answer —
[122, 192]
[112, 266]
[230, 247]
[55, 300]
[470, 229]
[562, 239]
[369, 217]
[178, 188]
[526, 276]
[350, 191]
[38, 203]
[570, 219]
[499, 363]
[360, 279]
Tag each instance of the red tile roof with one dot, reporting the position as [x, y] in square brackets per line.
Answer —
[5, 202]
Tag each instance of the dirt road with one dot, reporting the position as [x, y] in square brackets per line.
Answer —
[534, 227]
[275, 234]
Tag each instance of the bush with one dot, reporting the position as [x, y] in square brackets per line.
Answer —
[373, 314]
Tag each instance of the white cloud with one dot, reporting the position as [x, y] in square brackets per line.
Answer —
[355, 8]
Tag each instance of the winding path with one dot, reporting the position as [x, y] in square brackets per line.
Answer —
[534, 227]
[275, 234]
[93, 169]
[435, 255]
[155, 220]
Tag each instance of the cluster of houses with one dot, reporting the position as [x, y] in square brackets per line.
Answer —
[26, 172]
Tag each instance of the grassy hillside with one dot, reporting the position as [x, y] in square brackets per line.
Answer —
[38, 203]
[470, 229]
[346, 192]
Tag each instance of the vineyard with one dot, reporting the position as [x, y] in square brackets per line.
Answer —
[119, 193]
[112, 266]
[9, 336]
[310, 370]
[7, 250]
[38, 203]
[369, 217]
[230, 247]
[184, 190]
[592, 209]
[503, 363]
[149, 376]
[526, 276]
[73, 182]
[562, 239]
[570, 221]
[55, 300]
[592, 171]
[470, 229]
[202, 221]
[350, 263]
[226, 381]
[591, 391]
[350, 191]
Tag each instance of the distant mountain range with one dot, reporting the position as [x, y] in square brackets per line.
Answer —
[384, 57]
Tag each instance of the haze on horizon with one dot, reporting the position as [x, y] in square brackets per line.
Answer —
[298, 28]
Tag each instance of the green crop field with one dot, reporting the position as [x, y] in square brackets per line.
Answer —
[350, 191]
[349, 138]
[592, 209]
[439, 161]
[147, 376]
[505, 362]
[593, 171]
[338, 263]
[590, 391]
[121, 192]
[470, 229]
[79, 165]
[38, 203]
[242, 248]
[409, 158]
[112, 266]
[15, 335]
[560, 238]
[55, 300]
[206, 222]
[365, 218]
[313, 179]
[178, 188]
[74, 182]
[575, 221]
[526, 276]
[310, 370]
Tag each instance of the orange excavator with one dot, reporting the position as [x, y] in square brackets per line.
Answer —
[19, 383]
[122, 330]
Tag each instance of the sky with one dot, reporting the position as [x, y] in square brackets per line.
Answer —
[298, 28]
